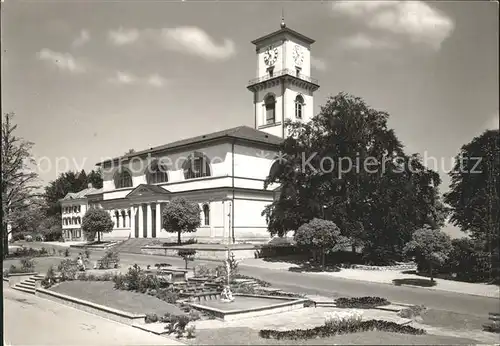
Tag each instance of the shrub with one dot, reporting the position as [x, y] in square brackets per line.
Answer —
[50, 278]
[329, 330]
[66, 253]
[167, 295]
[43, 252]
[244, 289]
[68, 269]
[190, 332]
[87, 253]
[151, 318]
[194, 315]
[119, 281]
[27, 264]
[361, 302]
[467, 260]
[202, 271]
[109, 260]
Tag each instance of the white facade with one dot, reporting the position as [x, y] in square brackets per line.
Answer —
[283, 75]
[236, 162]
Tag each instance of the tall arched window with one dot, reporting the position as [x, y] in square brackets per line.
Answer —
[196, 166]
[156, 173]
[299, 106]
[123, 178]
[206, 214]
[270, 104]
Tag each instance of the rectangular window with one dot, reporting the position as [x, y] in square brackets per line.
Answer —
[270, 115]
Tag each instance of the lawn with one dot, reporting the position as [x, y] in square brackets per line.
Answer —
[247, 336]
[103, 293]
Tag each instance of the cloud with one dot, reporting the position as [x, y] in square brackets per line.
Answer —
[156, 80]
[63, 61]
[82, 39]
[184, 39]
[414, 19]
[123, 36]
[123, 78]
[195, 41]
[318, 64]
[126, 78]
[363, 41]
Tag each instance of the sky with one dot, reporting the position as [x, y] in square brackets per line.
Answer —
[91, 80]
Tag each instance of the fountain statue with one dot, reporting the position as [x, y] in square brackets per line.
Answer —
[226, 295]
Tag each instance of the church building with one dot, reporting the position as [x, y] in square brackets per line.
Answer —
[223, 171]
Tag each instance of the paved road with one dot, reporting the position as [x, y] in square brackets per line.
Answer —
[334, 287]
[30, 320]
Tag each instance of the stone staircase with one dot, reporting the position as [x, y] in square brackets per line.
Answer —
[28, 285]
[132, 245]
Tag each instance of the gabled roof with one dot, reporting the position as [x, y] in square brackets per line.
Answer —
[80, 194]
[284, 31]
[241, 132]
[147, 190]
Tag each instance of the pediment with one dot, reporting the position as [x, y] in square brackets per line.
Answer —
[147, 191]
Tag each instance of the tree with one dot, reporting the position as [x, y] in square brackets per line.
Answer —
[19, 182]
[347, 166]
[181, 216]
[68, 182]
[96, 221]
[431, 246]
[27, 220]
[320, 236]
[474, 195]
[187, 255]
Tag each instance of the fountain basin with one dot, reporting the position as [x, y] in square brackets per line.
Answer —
[248, 305]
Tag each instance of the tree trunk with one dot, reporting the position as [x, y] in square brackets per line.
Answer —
[430, 272]
[179, 237]
[186, 261]
[5, 240]
[353, 248]
[98, 237]
[323, 258]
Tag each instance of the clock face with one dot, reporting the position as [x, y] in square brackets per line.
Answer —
[271, 55]
[298, 55]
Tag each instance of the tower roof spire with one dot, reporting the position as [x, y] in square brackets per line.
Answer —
[283, 25]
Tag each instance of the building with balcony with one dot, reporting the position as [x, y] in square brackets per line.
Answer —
[223, 171]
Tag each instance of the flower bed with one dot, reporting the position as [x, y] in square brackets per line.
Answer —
[329, 330]
[361, 302]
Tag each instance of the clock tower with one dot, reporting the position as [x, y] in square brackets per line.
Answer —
[283, 88]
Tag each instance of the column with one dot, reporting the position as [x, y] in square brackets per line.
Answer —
[158, 218]
[149, 221]
[126, 219]
[132, 221]
[141, 221]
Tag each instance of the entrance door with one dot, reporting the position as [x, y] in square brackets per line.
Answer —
[144, 221]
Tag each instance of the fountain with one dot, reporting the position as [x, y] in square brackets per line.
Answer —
[239, 306]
